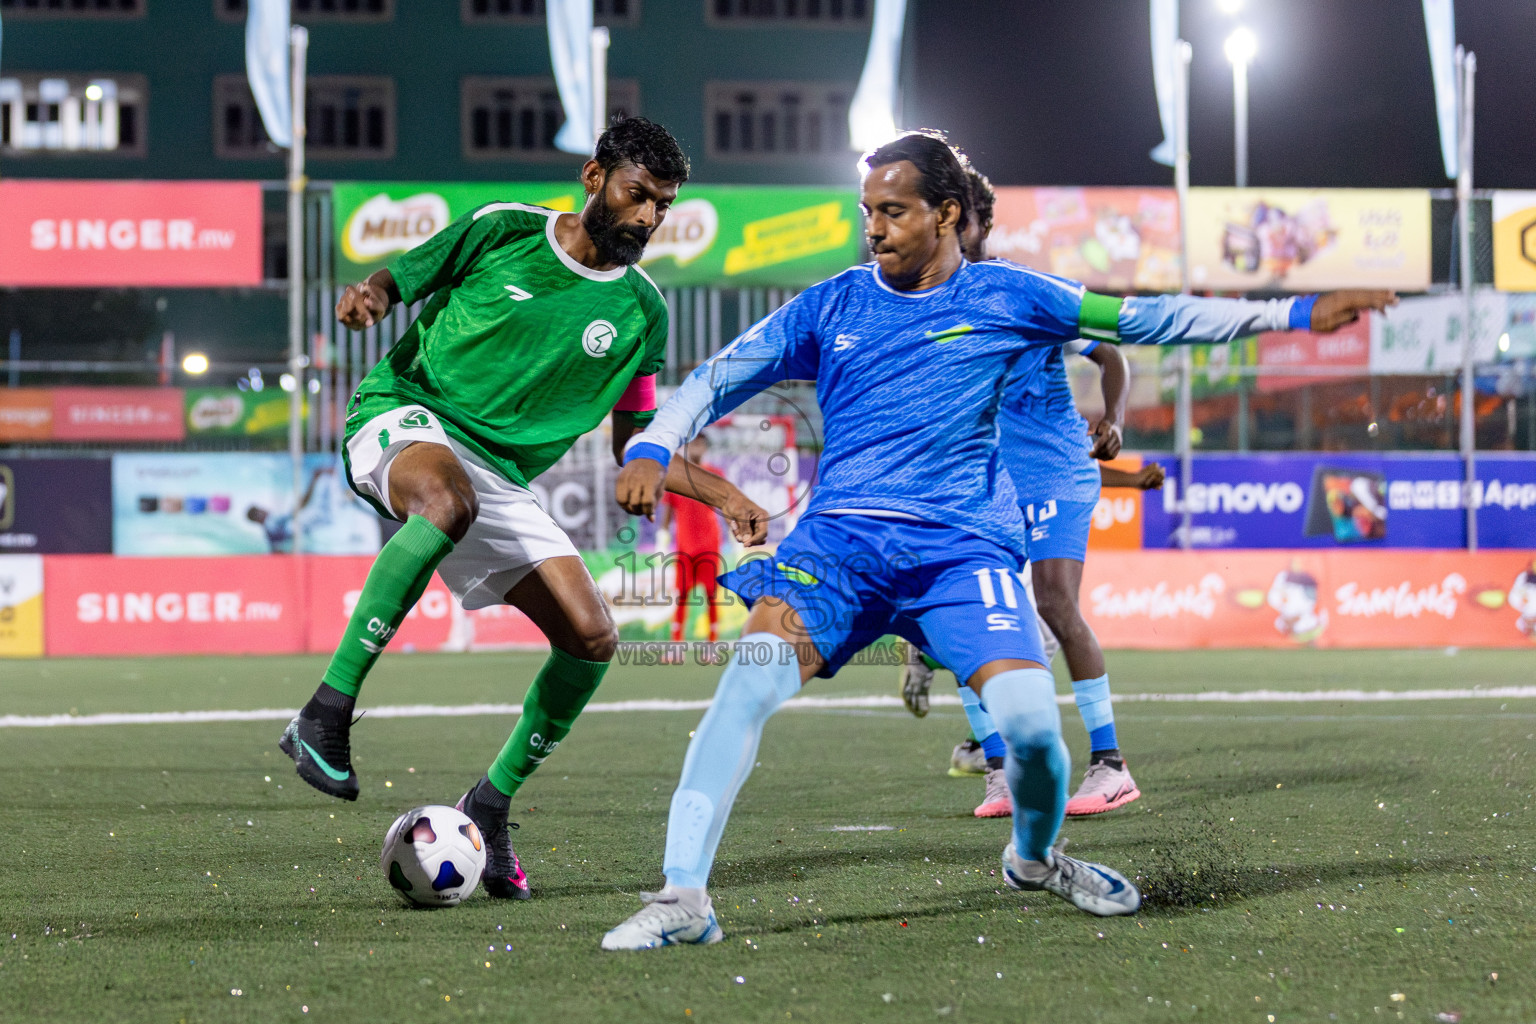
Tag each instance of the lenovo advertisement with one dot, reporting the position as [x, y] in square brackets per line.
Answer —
[1326, 500]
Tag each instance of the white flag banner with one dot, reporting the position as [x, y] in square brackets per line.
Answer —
[1440, 26]
[266, 66]
[570, 52]
[1165, 45]
[1426, 335]
[872, 114]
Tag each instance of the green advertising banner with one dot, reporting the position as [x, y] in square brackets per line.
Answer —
[718, 235]
[230, 412]
[1216, 369]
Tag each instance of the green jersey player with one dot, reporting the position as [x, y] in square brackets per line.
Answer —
[536, 325]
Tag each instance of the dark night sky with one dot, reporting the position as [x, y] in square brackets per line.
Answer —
[1060, 91]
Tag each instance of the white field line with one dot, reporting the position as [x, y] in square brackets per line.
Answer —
[800, 703]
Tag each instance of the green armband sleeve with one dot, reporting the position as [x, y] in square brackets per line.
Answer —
[1099, 316]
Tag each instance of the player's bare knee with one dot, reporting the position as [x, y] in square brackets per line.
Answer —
[596, 637]
[1061, 614]
[447, 505]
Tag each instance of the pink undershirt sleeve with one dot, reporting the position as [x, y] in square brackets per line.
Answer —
[640, 396]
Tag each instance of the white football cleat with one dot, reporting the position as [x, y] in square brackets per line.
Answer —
[1092, 887]
[672, 917]
[967, 759]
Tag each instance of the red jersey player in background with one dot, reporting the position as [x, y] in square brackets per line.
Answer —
[696, 539]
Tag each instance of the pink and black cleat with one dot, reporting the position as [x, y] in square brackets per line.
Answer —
[503, 877]
[1106, 785]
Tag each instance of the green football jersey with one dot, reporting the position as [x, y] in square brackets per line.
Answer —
[520, 350]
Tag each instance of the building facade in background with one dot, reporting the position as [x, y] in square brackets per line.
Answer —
[445, 90]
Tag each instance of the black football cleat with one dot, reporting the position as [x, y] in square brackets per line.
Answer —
[503, 877]
[322, 754]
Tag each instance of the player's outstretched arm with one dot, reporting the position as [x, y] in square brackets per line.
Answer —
[1188, 319]
[781, 347]
[1114, 382]
[748, 519]
[363, 305]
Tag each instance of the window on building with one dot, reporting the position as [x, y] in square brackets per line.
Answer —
[347, 118]
[517, 118]
[604, 12]
[43, 113]
[72, 8]
[776, 120]
[317, 10]
[828, 13]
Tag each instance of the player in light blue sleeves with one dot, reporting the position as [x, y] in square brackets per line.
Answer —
[1051, 456]
[914, 526]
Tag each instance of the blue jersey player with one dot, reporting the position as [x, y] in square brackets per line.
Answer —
[914, 526]
[1050, 454]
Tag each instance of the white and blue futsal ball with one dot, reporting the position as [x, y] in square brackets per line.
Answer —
[433, 856]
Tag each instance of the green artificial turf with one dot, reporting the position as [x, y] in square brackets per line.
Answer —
[1307, 861]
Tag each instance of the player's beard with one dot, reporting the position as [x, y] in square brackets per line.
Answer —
[617, 243]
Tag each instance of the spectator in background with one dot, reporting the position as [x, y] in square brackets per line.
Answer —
[695, 536]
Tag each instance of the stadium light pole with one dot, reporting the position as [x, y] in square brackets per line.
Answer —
[1240, 49]
[599, 41]
[298, 40]
[1466, 71]
[1183, 426]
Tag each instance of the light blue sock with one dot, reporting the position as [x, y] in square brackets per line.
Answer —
[1093, 703]
[1023, 704]
[721, 755]
[982, 729]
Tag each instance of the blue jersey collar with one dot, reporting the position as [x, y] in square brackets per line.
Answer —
[874, 272]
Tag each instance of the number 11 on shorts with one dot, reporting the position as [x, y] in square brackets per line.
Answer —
[989, 593]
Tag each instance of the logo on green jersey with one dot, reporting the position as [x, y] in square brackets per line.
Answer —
[598, 338]
[948, 334]
[417, 420]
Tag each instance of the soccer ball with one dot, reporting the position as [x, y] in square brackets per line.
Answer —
[433, 856]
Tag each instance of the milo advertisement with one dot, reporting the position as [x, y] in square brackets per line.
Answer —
[230, 412]
[717, 235]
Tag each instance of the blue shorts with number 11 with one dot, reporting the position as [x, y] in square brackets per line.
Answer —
[855, 578]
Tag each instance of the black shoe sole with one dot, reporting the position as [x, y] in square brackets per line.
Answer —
[515, 894]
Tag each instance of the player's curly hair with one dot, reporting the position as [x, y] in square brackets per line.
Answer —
[983, 198]
[643, 142]
[940, 173]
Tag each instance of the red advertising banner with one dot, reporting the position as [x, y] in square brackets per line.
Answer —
[105, 605]
[437, 623]
[1111, 239]
[1348, 348]
[1169, 600]
[1344, 599]
[130, 233]
[119, 414]
[26, 414]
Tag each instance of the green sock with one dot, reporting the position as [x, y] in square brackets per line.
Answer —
[395, 584]
[559, 692]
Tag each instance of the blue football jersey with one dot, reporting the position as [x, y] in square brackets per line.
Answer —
[910, 383]
[1043, 438]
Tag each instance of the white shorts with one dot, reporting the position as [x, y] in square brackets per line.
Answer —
[511, 534]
